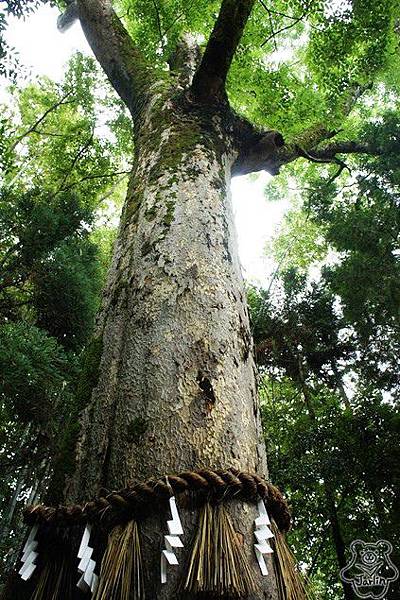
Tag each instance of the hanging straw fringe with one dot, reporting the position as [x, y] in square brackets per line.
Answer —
[56, 581]
[121, 574]
[55, 576]
[290, 582]
[218, 564]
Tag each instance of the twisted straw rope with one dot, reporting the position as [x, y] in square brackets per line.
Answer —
[142, 499]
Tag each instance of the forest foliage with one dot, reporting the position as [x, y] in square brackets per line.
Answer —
[327, 335]
[64, 173]
[326, 324]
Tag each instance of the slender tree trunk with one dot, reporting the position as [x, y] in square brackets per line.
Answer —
[177, 384]
[305, 388]
[340, 387]
[8, 516]
[337, 537]
[338, 541]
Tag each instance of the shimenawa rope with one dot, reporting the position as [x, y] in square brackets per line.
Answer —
[141, 499]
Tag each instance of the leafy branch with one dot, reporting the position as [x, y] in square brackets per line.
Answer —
[33, 128]
[295, 21]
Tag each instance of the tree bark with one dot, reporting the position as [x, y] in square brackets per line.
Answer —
[123, 63]
[210, 78]
[177, 384]
[340, 547]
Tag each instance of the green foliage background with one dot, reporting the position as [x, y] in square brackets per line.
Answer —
[327, 333]
[65, 151]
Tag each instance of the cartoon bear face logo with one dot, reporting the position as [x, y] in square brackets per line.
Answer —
[370, 570]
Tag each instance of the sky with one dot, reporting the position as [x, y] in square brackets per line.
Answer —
[45, 51]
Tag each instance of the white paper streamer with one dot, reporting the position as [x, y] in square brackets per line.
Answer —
[263, 534]
[29, 555]
[171, 541]
[88, 580]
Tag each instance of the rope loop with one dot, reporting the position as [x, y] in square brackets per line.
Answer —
[142, 498]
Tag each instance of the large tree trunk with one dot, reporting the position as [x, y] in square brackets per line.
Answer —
[177, 383]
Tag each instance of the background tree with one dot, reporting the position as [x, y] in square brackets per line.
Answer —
[54, 252]
[326, 337]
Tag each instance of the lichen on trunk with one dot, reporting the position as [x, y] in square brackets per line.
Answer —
[176, 387]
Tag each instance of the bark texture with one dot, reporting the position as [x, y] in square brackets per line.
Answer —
[210, 78]
[122, 62]
[177, 386]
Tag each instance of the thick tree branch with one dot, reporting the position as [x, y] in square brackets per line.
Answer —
[327, 154]
[307, 143]
[314, 135]
[122, 62]
[346, 147]
[209, 81]
[258, 151]
[185, 59]
[266, 151]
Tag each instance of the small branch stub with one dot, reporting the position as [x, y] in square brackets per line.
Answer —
[68, 17]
